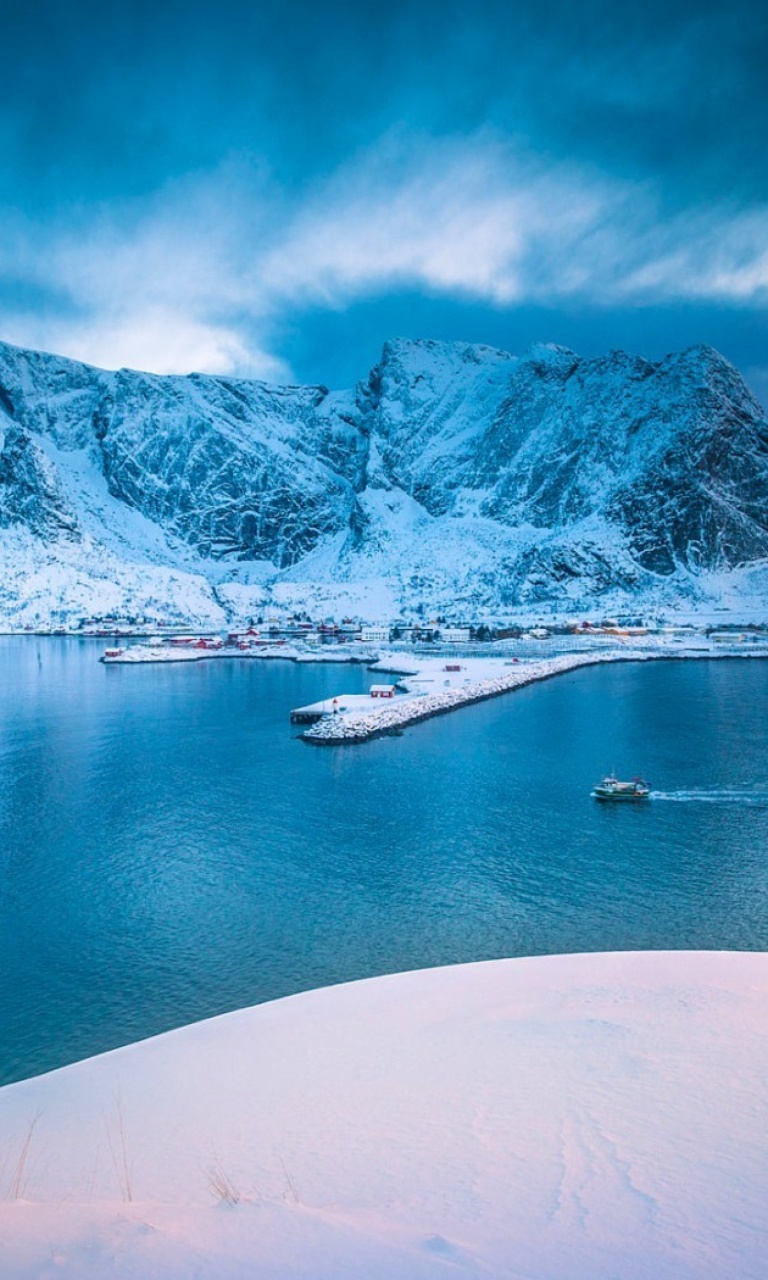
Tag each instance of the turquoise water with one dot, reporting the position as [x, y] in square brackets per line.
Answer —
[169, 849]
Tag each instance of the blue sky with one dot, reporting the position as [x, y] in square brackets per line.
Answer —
[273, 189]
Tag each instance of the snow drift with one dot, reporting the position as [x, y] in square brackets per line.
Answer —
[571, 1116]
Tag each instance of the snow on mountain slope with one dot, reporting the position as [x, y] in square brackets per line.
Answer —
[674, 453]
[455, 476]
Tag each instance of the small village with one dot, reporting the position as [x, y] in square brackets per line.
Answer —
[299, 628]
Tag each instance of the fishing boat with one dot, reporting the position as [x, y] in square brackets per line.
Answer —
[612, 789]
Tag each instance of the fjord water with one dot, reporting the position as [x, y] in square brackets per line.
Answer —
[170, 850]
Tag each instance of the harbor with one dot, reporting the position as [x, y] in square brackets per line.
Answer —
[424, 682]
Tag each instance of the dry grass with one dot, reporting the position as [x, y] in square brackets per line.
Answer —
[222, 1185]
[291, 1193]
[118, 1148]
[19, 1175]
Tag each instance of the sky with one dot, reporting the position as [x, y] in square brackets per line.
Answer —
[273, 188]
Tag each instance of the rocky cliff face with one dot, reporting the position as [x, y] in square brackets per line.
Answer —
[673, 455]
[29, 490]
[454, 475]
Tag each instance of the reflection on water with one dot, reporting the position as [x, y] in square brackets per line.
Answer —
[170, 850]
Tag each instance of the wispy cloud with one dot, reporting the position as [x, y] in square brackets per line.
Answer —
[466, 219]
[156, 284]
[485, 221]
[202, 274]
[154, 339]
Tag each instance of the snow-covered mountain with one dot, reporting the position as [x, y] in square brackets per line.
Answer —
[455, 477]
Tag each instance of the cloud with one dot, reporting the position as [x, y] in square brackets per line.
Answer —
[429, 232]
[482, 220]
[756, 377]
[457, 219]
[155, 340]
[156, 283]
[203, 273]
[713, 255]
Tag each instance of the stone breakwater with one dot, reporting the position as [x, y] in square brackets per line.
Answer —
[359, 726]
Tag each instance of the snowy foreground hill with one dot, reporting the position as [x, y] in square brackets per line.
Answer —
[557, 1118]
[455, 477]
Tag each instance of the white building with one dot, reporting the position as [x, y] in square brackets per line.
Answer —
[454, 635]
[375, 635]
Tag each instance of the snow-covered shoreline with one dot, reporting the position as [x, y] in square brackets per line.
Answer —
[138, 654]
[568, 1116]
[348, 719]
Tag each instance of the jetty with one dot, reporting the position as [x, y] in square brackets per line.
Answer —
[375, 719]
[359, 723]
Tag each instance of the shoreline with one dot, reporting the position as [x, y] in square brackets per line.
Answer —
[145, 655]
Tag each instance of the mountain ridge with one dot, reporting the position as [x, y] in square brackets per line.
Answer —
[453, 476]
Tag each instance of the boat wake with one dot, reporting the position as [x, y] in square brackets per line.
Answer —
[724, 796]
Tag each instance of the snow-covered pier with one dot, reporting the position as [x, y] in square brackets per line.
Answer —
[358, 725]
[341, 705]
[477, 681]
